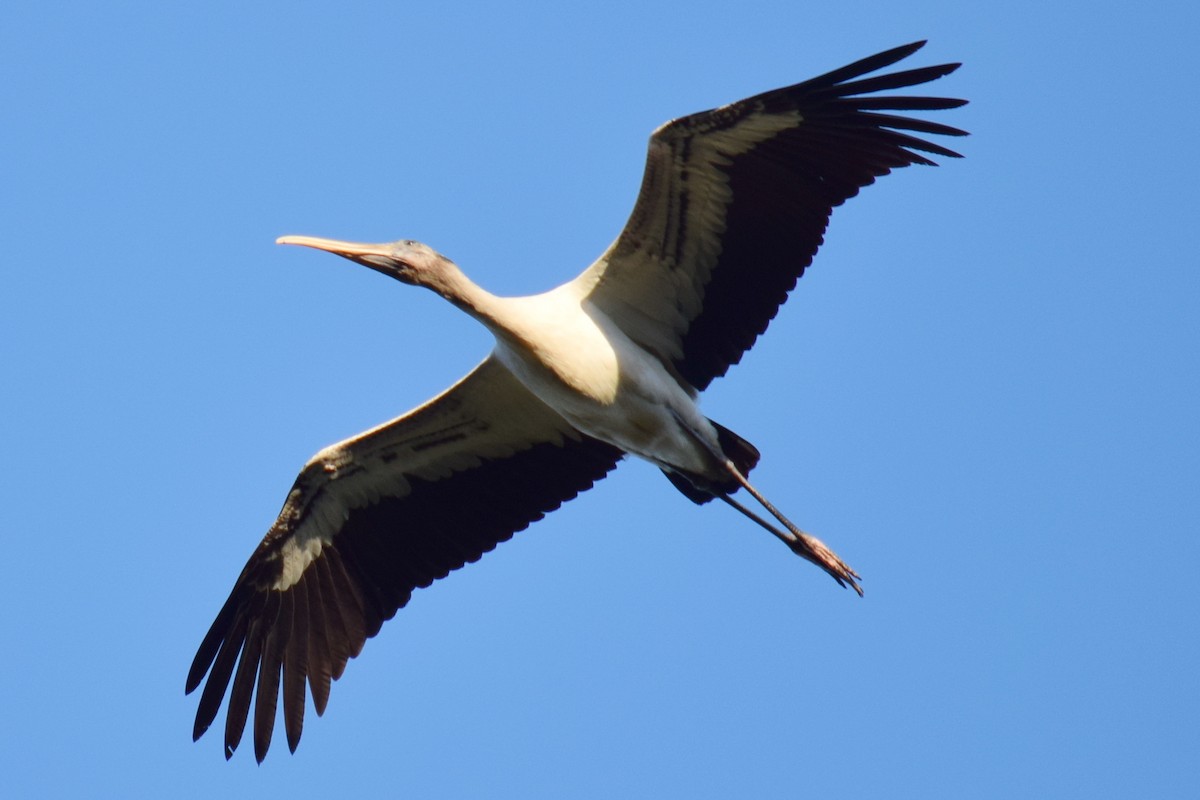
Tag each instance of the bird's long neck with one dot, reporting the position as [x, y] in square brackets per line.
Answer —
[451, 283]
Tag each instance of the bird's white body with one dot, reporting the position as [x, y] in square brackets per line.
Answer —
[578, 361]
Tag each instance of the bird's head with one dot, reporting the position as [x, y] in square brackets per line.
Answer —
[405, 260]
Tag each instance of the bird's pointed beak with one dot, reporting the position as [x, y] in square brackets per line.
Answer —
[351, 250]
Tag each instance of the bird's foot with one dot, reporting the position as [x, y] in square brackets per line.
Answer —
[813, 549]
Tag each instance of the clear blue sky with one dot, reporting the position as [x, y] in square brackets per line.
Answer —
[984, 395]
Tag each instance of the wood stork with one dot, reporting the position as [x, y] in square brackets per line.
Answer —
[733, 206]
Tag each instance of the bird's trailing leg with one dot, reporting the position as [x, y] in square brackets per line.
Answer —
[800, 543]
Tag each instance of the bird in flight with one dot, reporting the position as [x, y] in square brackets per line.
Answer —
[733, 205]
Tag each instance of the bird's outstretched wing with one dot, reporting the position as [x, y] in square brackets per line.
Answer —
[368, 521]
[734, 204]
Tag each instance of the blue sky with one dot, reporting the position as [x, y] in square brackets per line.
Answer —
[983, 395]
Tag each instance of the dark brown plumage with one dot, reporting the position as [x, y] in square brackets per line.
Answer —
[785, 189]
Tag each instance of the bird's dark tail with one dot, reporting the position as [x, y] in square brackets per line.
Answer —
[743, 455]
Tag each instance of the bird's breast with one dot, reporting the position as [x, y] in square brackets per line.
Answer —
[562, 354]
[582, 365]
